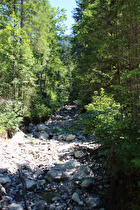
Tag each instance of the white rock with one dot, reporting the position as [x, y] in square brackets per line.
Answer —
[70, 137]
[18, 137]
[2, 190]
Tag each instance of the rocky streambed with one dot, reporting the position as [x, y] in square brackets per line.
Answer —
[53, 166]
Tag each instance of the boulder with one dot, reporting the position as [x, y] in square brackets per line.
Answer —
[30, 184]
[43, 135]
[92, 201]
[87, 183]
[75, 197]
[60, 137]
[79, 154]
[42, 205]
[71, 169]
[43, 127]
[4, 180]
[70, 137]
[2, 191]
[15, 206]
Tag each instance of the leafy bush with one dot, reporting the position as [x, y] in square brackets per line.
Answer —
[39, 112]
[41, 108]
[119, 136]
[10, 117]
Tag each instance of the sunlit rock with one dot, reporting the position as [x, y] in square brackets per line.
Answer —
[70, 137]
[15, 206]
[79, 154]
[43, 135]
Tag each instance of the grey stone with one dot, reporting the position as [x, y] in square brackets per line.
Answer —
[92, 201]
[4, 180]
[79, 154]
[75, 197]
[99, 178]
[41, 205]
[69, 170]
[43, 135]
[42, 182]
[87, 183]
[42, 127]
[48, 178]
[56, 175]
[60, 207]
[15, 206]
[100, 187]
[56, 199]
[30, 184]
[106, 185]
[52, 207]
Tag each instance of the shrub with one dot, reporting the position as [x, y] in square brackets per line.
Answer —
[10, 117]
[118, 135]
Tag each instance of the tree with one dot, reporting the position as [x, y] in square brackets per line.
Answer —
[31, 66]
[106, 51]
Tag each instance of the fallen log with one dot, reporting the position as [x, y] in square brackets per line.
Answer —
[24, 187]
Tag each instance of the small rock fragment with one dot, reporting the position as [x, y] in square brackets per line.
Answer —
[75, 197]
[79, 154]
[15, 206]
[43, 135]
[70, 137]
[41, 205]
[60, 137]
[42, 127]
[30, 184]
[92, 202]
[2, 191]
[4, 180]
[86, 183]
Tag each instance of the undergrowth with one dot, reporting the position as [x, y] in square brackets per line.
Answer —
[119, 136]
[10, 118]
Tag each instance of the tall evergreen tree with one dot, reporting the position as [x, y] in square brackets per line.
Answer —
[103, 45]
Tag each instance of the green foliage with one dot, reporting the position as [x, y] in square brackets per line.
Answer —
[32, 70]
[117, 132]
[106, 54]
[118, 135]
[101, 117]
[10, 116]
[71, 128]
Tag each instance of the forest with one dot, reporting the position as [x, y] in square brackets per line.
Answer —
[98, 65]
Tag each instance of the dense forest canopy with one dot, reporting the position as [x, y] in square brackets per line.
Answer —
[33, 70]
[106, 51]
[98, 65]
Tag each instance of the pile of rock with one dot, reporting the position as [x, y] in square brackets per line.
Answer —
[51, 168]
